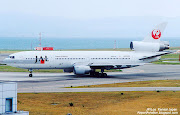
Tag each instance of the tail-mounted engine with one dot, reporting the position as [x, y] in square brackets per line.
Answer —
[149, 46]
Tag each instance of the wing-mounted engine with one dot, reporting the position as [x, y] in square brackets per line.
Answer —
[81, 69]
[149, 46]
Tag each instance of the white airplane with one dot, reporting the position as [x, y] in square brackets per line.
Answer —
[86, 62]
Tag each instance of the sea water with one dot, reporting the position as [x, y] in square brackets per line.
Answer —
[20, 43]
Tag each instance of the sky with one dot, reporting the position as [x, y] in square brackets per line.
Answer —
[87, 18]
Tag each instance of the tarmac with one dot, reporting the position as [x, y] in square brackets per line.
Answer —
[55, 82]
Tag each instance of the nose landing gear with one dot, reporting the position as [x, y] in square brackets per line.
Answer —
[30, 75]
[30, 70]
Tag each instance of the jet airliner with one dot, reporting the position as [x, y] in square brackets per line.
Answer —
[86, 62]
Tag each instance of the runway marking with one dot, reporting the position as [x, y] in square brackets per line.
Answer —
[25, 90]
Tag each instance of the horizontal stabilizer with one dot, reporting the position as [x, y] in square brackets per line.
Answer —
[158, 54]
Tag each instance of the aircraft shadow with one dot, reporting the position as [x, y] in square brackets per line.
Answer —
[131, 76]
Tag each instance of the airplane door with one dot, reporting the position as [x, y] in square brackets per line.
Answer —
[87, 59]
[132, 59]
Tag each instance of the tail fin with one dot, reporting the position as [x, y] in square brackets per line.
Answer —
[156, 33]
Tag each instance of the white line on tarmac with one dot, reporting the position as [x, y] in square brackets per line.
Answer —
[37, 90]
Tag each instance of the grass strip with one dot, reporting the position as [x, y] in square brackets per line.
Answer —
[151, 83]
[97, 103]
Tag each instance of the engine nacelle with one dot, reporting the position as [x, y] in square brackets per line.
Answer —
[79, 70]
[149, 46]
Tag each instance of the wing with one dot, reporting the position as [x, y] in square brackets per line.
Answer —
[110, 65]
[114, 65]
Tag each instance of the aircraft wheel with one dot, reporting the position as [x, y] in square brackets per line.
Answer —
[92, 73]
[100, 75]
[105, 74]
[96, 74]
[30, 75]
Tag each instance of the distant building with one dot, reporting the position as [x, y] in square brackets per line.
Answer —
[48, 48]
[43, 48]
[38, 48]
[177, 52]
[8, 99]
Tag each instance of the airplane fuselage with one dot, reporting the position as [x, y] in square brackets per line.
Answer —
[68, 59]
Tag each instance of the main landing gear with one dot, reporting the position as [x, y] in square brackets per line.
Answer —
[30, 70]
[97, 74]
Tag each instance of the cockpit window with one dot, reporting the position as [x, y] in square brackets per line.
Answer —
[12, 57]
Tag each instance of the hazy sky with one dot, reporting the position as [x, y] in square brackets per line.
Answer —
[87, 18]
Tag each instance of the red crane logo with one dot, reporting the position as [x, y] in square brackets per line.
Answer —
[156, 34]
